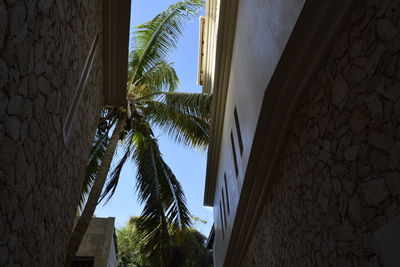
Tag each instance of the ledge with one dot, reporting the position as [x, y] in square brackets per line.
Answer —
[225, 39]
[116, 21]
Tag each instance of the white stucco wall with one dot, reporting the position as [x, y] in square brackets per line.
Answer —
[262, 31]
[112, 256]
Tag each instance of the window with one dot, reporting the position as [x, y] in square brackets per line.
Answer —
[234, 155]
[227, 194]
[239, 134]
[80, 89]
[222, 222]
[83, 262]
[223, 205]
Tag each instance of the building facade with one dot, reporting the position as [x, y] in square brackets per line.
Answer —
[99, 245]
[57, 68]
[303, 165]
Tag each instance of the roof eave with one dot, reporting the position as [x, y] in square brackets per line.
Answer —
[116, 21]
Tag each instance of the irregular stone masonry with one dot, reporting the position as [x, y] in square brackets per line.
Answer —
[339, 175]
[43, 47]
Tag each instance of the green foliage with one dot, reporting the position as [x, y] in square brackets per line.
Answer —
[129, 246]
[187, 248]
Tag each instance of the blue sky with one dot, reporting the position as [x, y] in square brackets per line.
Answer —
[189, 166]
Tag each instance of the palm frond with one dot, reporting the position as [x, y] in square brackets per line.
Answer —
[153, 223]
[91, 171]
[99, 146]
[113, 178]
[194, 104]
[161, 193]
[177, 212]
[160, 78]
[184, 117]
[155, 39]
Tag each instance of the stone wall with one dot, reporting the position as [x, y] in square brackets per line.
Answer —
[43, 48]
[339, 175]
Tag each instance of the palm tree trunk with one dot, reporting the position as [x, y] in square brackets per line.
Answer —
[83, 223]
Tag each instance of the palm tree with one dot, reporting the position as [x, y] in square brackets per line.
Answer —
[152, 102]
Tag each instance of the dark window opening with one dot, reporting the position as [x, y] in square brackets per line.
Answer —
[83, 262]
[222, 222]
[239, 134]
[227, 197]
[223, 204]
[234, 155]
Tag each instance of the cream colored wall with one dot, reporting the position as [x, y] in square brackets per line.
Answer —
[98, 242]
[262, 30]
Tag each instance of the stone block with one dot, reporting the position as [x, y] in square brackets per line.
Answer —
[45, 5]
[354, 74]
[339, 91]
[336, 185]
[3, 73]
[379, 160]
[44, 86]
[397, 110]
[358, 121]
[348, 186]
[394, 45]
[374, 191]
[373, 262]
[17, 17]
[387, 239]
[323, 201]
[338, 169]
[375, 106]
[392, 210]
[395, 156]
[345, 141]
[2, 132]
[12, 241]
[351, 153]
[3, 255]
[355, 209]
[374, 59]
[3, 24]
[390, 91]
[386, 30]
[20, 106]
[393, 183]
[344, 232]
[381, 141]
[13, 126]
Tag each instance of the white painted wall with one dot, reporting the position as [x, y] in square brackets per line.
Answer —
[263, 28]
[112, 256]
